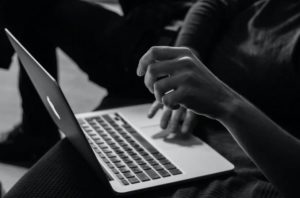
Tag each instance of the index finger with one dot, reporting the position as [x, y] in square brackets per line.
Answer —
[154, 108]
[160, 53]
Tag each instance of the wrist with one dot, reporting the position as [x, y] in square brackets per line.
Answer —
[229, 106]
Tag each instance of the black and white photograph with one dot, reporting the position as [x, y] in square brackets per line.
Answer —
[149, 98]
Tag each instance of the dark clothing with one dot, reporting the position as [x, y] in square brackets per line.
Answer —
[147, 14]
[253, 46]
[105, 45]
[62, 172]
[240, 41]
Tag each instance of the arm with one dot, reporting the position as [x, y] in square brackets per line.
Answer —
[200, 30]
[192, 85]
[273, 150]
[205, 21]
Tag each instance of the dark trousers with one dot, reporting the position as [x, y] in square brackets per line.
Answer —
[101, 42]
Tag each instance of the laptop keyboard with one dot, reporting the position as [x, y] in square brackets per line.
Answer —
[129, 155]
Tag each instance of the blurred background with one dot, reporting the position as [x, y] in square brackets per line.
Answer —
[82, 95]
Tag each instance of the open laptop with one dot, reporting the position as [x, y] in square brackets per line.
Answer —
[119, 144]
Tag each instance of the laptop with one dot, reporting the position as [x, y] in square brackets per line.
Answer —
[120, 144]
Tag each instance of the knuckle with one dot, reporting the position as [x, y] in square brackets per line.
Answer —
[187, 51]
[190, 75]
[157, 88]
[187, 77]
[151, 70]
[167, 101]
[187, 61]
[185, 92]
[153, 51]
[146, 81]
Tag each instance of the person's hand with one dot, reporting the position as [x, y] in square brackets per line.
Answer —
[177, 77]
[180, 121]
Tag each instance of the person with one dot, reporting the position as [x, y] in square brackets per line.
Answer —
[251, 46]
[104, 44]
[233, 50]
[237, 40]
[192, 85]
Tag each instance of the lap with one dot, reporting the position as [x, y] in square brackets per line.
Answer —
[62, 172]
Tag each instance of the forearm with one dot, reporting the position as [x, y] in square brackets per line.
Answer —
[272, 149]
[205, 21]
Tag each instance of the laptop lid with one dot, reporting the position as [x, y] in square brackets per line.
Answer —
[56, 104]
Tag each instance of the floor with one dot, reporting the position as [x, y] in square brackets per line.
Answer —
[81, 94]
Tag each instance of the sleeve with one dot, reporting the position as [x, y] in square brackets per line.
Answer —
[204, 22]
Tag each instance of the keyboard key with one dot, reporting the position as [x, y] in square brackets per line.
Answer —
[128, 175]
[119, 151]
[103, 146]
[175, 171]
[125, 182]
[110, 165]
[132, 153]
[148, 158]
[123, 144]
[164, 161]
[159, 156]
[136, 170]
[115, 147]
[98, 141]
[120, 176]
[106, 150]
[169, 166]
[97, 150]
[127, 161]
[163, 173]
[140, 162]
[158, 167]
[153, 151]
[123, 155]
[105, 160]
[145, 167]
[128, 149]
[115, 171]
[153, 163]
[111, 155]
[143, 177]
[132, 165]
[115, 160]
[124, 170]
[101, 155]
[133, 180]
[136, 157]
[119, 164]
[143, 153]
[152, 174]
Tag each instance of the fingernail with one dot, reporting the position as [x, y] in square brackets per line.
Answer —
[184, 129]
[138, 72]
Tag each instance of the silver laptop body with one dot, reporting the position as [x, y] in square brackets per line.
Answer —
[119, 144]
